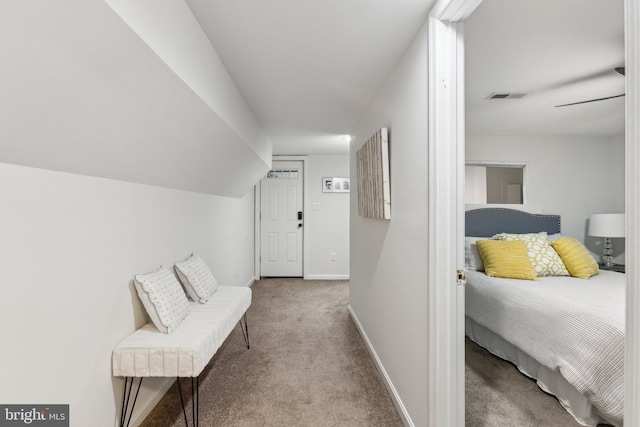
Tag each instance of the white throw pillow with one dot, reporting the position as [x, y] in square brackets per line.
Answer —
[163, 298]
[197, 279]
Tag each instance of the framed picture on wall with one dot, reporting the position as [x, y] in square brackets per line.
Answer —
[374, 187]
[335, 185]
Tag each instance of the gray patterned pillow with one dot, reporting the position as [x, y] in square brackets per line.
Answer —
[197, 279]
[163, 298]
[544, 258]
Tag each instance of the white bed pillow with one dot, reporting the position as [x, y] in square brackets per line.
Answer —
[163, 298]
[472, 258]
[197, 279]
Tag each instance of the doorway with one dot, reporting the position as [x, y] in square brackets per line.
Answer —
[446, 162]
[281, 220]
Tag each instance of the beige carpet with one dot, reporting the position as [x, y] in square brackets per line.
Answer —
[307, 366]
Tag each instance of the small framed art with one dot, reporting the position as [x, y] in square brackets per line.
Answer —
[335, 185]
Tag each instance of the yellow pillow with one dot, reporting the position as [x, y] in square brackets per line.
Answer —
[576, 257]
[508, 259]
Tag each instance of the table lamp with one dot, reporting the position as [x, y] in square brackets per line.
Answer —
[607, 226]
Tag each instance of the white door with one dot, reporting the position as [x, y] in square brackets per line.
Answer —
[281, 220]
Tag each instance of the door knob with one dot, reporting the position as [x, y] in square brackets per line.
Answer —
[300, 225]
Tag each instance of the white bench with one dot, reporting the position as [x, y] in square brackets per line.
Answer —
[186, 351]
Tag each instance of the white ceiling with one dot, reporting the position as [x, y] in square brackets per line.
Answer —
[557, 52]
[309, 68]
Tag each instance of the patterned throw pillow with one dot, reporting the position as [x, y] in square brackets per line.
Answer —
[197, 279]
[544, 259]
[163, 298]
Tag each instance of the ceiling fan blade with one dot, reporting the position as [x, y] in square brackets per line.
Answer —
[591, 100]
[585, 78]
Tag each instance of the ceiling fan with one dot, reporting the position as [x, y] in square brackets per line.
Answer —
[619, 70]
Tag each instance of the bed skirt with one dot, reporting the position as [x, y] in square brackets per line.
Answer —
[548, 380]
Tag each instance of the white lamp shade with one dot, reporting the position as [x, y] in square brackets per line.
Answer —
[607, 225]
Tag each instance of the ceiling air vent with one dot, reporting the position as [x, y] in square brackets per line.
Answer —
[506, 95]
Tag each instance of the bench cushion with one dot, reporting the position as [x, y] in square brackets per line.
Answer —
[186, 351]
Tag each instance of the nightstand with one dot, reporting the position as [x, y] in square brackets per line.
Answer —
[616, 267]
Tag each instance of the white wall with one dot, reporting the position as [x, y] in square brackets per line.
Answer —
[388, 291]
[570, 176]
[69, 249]
[328, 223]
[475, 184]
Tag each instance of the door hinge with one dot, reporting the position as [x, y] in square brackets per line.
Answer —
[462, 277]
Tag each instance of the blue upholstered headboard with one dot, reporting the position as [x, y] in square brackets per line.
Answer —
[486, 222]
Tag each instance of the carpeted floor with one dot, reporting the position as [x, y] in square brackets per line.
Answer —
[307, 366]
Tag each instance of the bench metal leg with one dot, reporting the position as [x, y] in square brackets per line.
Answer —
[245, 330]
[125, 417]
[126, 395]
[195, 402]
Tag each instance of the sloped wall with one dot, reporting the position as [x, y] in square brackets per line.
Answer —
[83, 93]
[169, 28]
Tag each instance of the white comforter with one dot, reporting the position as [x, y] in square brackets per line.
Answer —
[570, 325]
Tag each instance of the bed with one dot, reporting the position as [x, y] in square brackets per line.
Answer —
[565, 332]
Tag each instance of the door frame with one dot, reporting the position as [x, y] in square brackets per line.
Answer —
[446, 170]
[632, 208]
[258, 228]
[446, 149]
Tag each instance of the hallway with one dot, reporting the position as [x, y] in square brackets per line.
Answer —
[307, 366]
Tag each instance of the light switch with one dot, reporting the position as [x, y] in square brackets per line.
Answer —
[315, 206]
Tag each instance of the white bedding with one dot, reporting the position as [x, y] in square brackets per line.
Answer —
[572, 326]
[186, 351]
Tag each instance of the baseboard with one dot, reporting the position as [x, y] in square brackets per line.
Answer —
[406, 419]
[250, 282]
[326, 277]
